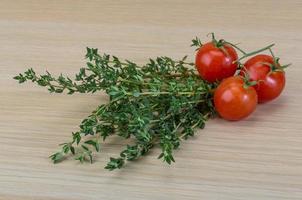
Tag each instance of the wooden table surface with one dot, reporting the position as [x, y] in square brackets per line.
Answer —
[258, 158]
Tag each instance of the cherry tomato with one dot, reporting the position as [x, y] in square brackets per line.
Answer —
[216, 63]
[271, 78]
[233, 100]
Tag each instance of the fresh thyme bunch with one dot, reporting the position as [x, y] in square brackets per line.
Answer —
[160, 103]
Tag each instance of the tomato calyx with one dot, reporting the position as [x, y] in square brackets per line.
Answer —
[247, 81]
[276, 65]
[219, 44]
[196, 43]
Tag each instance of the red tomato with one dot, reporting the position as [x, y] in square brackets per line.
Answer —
[271, 80]
[233, 101]
[215, 63]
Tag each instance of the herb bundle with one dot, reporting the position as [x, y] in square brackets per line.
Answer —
[159, 103]
[162, 102]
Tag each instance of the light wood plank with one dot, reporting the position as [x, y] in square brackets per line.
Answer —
[258, 158]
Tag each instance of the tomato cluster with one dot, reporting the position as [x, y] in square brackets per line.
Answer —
[241, 86]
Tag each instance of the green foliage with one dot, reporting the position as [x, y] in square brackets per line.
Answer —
[160, 103]
[196, 43]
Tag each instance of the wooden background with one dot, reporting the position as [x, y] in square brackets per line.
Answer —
[258, 158]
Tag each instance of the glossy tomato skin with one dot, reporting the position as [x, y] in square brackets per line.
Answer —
[234, 102]
[214, 64]
[271, 83]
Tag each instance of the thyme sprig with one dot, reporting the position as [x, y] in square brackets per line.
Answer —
[159, 103]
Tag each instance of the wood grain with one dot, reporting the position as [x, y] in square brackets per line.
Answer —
[258, 158]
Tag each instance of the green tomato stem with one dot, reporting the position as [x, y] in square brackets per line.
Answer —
[254, 52]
